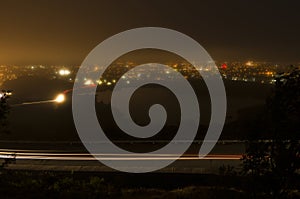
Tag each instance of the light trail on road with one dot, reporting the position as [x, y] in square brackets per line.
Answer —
[37, 102]
[60, 98]
[30, 155]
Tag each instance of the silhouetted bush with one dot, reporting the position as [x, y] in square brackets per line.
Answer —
[272, 164]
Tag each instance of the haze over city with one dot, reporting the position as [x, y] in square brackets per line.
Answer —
[63, 32]
[211, 111]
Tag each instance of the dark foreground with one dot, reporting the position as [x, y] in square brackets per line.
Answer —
[45, 184]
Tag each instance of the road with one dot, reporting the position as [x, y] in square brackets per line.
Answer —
[73, 161]
[38, 155]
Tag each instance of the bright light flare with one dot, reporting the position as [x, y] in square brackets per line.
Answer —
[249, 63]
[60, 98]
[64, 72]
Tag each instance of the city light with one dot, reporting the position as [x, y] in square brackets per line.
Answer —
[249, 63]
[88, 82]
[99, 82]
[224, 66]
[254, 71]
[64, 72]
[60, 98]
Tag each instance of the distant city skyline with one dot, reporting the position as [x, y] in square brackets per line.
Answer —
[260, 72]
[64, 32]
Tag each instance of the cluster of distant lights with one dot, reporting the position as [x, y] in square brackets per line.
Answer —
[253, 79]
[64, 72]
[89, 82]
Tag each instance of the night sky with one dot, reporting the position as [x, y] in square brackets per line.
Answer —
[63, 32]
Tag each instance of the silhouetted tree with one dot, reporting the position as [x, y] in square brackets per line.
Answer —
[277, 160]
[4, 109]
